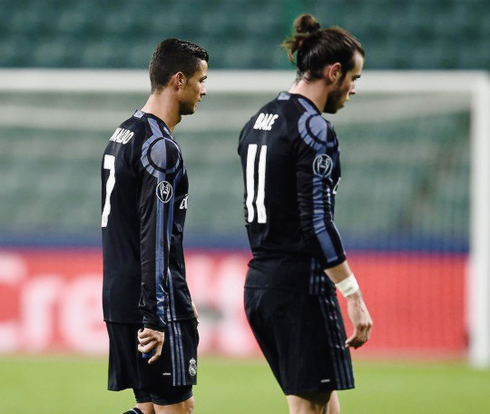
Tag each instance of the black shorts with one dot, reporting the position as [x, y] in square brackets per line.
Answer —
[302, 337]
[168, 380]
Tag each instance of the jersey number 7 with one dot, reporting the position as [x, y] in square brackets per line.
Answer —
[109, 164]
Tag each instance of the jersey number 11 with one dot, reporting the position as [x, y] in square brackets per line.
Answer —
[255, 202]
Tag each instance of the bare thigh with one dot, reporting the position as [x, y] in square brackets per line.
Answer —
[313, 403]
[184, 407]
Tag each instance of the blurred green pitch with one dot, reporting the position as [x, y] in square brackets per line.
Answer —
[76, 385]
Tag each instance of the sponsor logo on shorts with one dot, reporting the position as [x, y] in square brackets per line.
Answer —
[322, 165]
[164, 191]
[192, 367]
[323, 381]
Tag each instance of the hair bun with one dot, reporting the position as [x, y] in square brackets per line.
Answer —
[306, 23]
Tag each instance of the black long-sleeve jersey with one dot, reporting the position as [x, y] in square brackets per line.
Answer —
[144, 203]
[291, 169]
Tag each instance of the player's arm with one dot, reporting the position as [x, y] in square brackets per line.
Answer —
[315, 194]
[315, 198]
[343, 278]
[159, 177]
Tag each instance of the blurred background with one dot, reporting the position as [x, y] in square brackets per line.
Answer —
[403, 207]
[240, 34]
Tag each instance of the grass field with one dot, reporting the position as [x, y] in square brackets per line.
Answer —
[57, 385]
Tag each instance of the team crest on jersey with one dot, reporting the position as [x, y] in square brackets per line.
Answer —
[322, 165]
[192, 367]
[164, 191]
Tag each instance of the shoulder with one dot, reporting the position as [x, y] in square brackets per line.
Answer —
[313, 128]
[159, 150]
[138, 123]
[161, 153]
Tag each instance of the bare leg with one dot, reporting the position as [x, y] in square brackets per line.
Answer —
[314, 403]
[333, 406]
[184, 407]
[146, 408]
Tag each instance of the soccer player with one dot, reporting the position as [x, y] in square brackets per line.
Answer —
[291, 169]
[150, 317]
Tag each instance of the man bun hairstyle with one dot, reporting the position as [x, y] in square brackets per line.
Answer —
[172, 56]
[304, 26]
[316, 47]
[306, 23]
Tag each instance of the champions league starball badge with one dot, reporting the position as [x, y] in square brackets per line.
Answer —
[164, 191]
[322, 165]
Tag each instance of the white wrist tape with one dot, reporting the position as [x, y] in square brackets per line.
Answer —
[348, 286]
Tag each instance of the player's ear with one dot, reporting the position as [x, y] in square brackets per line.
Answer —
[179, 80]
[333, 72]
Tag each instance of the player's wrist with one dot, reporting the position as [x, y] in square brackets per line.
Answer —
[154, 327]
[348, 286]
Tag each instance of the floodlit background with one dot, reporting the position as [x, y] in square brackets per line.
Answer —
[403, 206]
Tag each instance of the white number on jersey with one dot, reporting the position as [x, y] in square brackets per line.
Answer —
[250, 183]
[109, 164]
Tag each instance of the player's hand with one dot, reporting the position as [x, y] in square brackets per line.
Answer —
[196, 313]
[151, 341]
[360, 319]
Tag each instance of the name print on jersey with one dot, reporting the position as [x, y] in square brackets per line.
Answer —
[122, 136]
[264, 122]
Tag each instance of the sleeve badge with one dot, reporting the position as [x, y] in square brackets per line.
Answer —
[322, 165]
[164, 191]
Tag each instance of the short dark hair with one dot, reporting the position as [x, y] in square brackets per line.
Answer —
[316, 47]
[172, 56]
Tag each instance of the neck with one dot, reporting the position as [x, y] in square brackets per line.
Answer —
[316, 91]
[163, 106]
